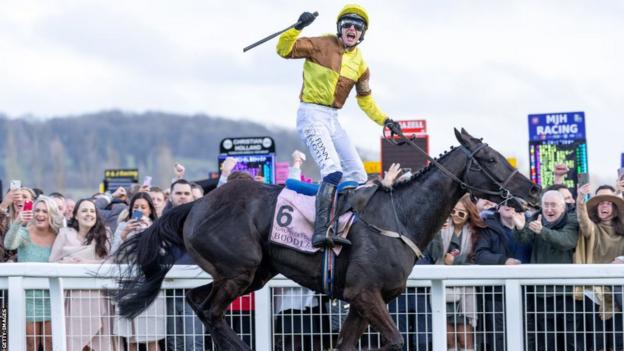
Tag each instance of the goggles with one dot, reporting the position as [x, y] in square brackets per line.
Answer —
[459, 213]
[348, 22]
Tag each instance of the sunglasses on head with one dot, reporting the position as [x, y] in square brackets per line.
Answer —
[347, 23]
[459, 213]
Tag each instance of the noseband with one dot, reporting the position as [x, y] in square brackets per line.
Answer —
[473, 165]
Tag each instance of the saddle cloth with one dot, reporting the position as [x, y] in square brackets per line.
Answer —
[293, 223]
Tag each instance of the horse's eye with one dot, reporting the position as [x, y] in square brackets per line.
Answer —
[492, 160]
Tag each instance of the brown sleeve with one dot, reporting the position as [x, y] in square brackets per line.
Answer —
[361, 86]
[303, 48]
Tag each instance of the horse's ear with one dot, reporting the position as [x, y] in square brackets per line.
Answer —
[459, 136]
[466, 138]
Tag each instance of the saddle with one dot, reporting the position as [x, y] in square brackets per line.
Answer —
[350, 196]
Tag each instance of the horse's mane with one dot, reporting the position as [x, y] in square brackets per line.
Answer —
[421, 172]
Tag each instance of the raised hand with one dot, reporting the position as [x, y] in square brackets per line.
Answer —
[25, 216]
[228, 165]
[519, 220]
[179, 170]
[583, 191]
[536, 225]
[305, 20]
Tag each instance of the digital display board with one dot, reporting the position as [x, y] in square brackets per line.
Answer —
[557, 138]
[115, 178]
[254, 165]
[255, 156]
[544, 155]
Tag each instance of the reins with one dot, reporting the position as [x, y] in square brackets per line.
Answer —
[503, 191]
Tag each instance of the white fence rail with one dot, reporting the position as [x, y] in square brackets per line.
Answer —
[520, 286]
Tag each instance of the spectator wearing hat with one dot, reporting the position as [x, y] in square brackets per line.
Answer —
[601, 221]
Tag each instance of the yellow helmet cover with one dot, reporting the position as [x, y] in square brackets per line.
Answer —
[354, 9]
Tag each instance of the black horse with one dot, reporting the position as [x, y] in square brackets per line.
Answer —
[227, 233]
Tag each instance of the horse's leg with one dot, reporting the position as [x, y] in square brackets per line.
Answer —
[352, 328]
[373, 308]
[197, 298]
[216, 299]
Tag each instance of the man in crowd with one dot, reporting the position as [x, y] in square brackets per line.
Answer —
[554, 233]
[496, 246]
[181, 321]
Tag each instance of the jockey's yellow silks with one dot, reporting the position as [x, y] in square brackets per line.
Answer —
[330, 72]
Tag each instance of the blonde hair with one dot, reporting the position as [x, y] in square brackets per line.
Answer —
[55, 218]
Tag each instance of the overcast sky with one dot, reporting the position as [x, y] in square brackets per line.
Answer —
[482, 65]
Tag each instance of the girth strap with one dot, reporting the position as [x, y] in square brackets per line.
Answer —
[395, 235]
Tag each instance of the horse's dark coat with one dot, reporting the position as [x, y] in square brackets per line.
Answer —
[227, 233]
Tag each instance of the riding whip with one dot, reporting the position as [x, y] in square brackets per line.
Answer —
[273, 35]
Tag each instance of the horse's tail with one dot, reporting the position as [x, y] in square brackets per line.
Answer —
[149, 256]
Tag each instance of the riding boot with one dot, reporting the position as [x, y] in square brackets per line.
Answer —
[324, 200]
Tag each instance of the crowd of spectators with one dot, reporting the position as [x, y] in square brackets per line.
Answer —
[566, 229]
[54, 228]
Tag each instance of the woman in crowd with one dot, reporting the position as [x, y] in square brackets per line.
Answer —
[14, 201]
[85, 240]
[601, 240]
[454, 245]
[150, 326]
[32, 235]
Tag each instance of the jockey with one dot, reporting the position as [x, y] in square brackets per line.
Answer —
[333, 66]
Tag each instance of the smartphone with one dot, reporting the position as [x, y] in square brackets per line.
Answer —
[137, 214]
[583, 178]
[15, 184]
[147, 181]
[28, 205]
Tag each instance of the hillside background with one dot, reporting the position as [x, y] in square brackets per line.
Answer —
[69, 154]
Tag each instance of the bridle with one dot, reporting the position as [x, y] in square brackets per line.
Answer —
[472, 165]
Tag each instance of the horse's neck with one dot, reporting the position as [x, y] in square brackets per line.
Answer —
[427, 201]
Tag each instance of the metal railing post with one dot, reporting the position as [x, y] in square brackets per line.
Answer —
[263, 318]
[17, 314]
[438, 315]
[57, 313]
[514, 315]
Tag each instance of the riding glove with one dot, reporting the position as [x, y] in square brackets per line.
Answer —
[394, 127]
[305, 20]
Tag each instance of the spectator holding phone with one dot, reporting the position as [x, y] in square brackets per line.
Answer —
[454, 245]
[13, 202]
[148, 327]
[85, 240]
[32, 235]
[601, 240]
[8, 213]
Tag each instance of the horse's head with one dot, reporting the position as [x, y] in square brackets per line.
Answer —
[490, 176]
